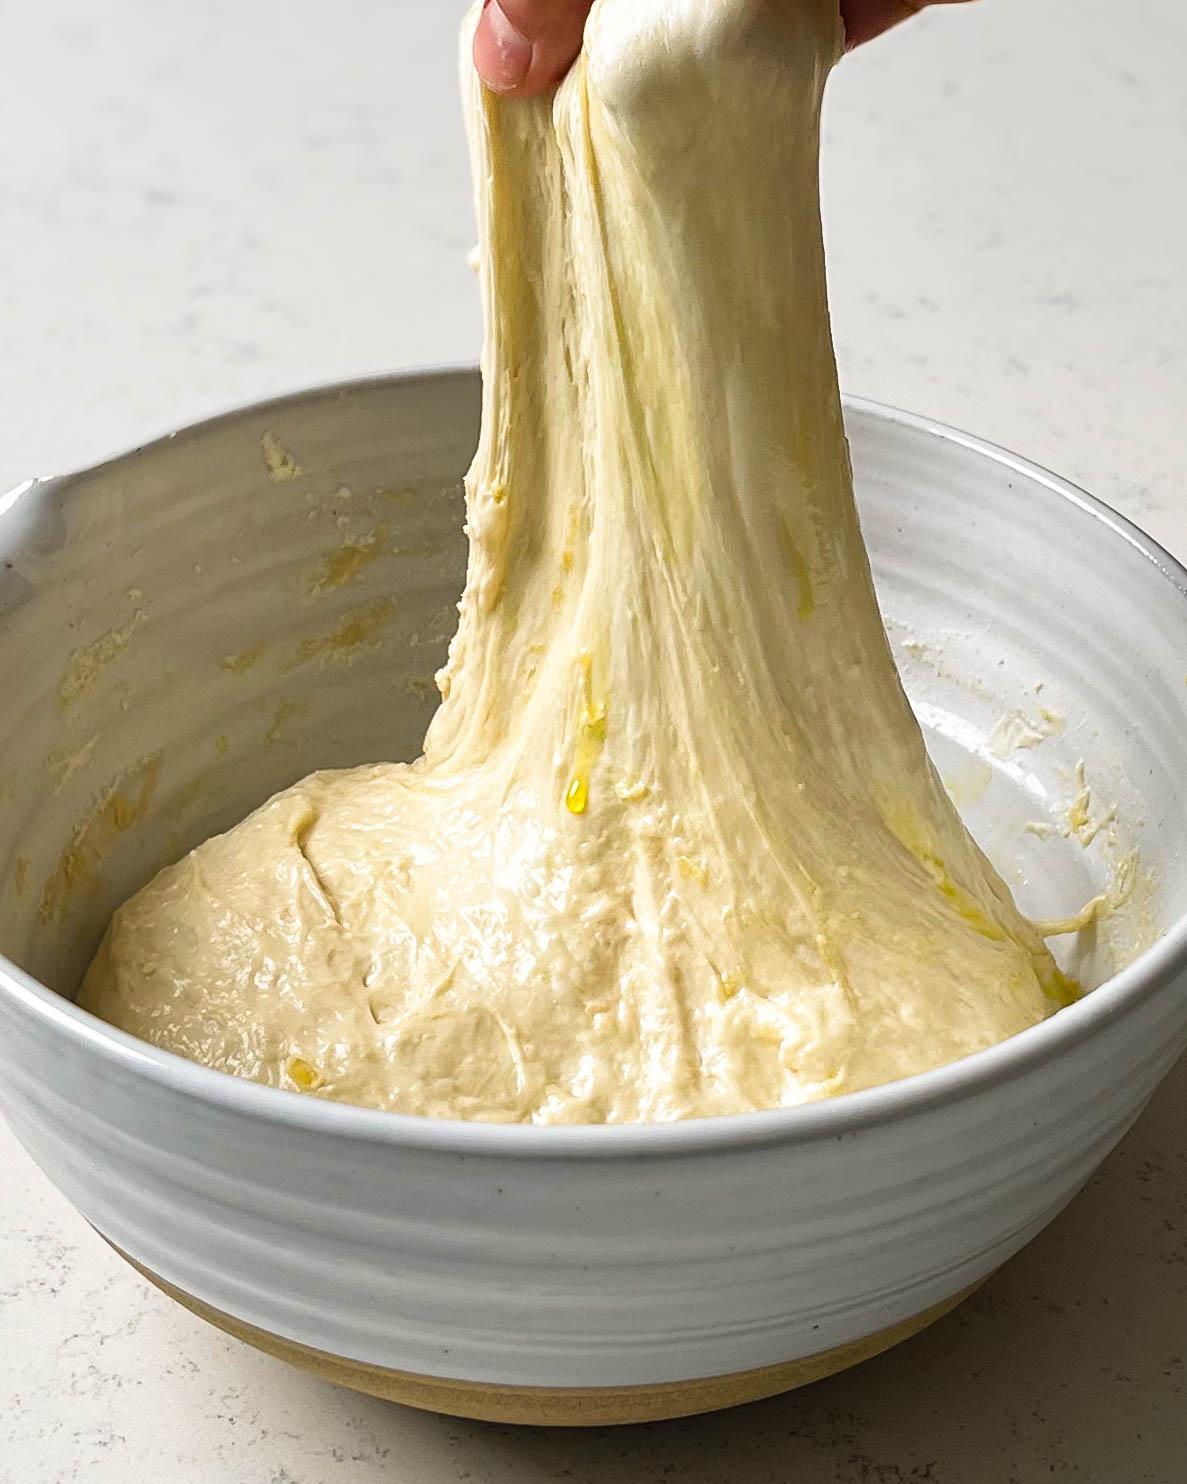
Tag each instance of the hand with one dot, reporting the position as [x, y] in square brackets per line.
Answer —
[522, 47]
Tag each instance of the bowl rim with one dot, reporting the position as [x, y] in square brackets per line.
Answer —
[835, 1118]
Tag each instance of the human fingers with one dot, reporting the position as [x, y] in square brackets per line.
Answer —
[522, 47]
[865, 19]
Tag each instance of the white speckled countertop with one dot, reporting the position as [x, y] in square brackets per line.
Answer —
[205, 204]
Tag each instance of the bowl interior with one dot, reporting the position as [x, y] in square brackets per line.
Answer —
[190, 627]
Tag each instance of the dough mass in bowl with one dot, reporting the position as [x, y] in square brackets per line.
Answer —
[674, 847]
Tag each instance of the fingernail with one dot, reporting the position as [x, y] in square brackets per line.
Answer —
[507, 60]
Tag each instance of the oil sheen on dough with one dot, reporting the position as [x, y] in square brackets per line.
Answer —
[674, 847]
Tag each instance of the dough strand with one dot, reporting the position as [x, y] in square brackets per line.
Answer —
[675, 847]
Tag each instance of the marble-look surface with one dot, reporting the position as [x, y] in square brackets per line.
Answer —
[205, 204]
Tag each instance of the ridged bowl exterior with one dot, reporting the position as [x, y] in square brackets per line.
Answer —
[567, 1257]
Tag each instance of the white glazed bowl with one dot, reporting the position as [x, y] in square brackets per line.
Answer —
[180, 635]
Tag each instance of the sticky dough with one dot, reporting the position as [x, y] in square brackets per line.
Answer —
[674, 847]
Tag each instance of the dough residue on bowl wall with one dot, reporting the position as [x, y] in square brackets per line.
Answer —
[1017, 753]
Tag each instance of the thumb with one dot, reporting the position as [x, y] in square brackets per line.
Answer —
[522, 47]
[865, 19]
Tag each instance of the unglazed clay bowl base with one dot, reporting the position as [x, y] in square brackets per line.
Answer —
[557, 1406]
[190, 627]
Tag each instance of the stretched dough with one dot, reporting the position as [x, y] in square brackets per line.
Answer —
[674, 847]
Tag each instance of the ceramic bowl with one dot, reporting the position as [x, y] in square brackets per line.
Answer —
[190, 627]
